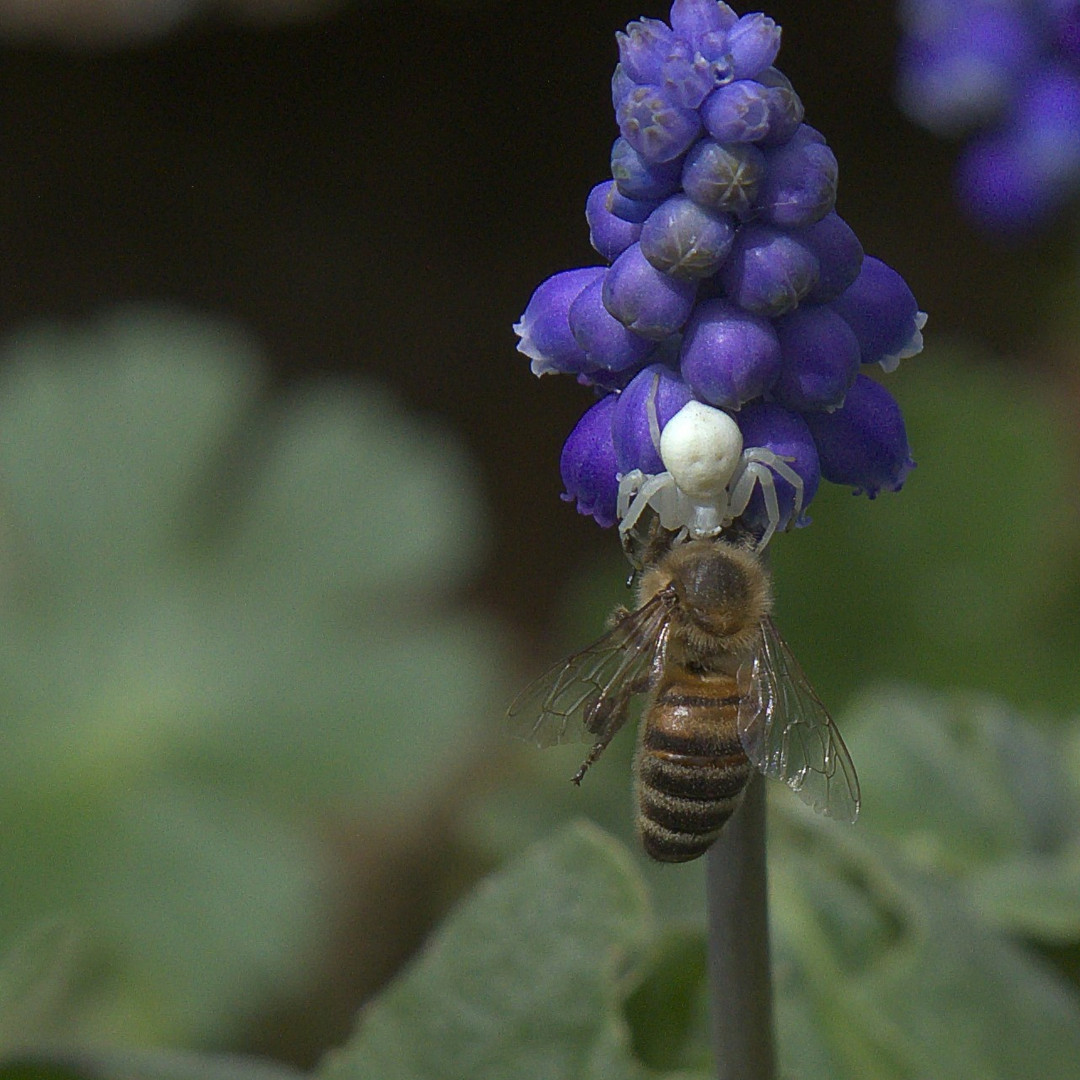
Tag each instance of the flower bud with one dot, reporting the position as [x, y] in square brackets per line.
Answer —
[881, 310]
[588, 464]
[691, 19]
[785, 107]
[641, 180]
[609, 234]
[800, 181]
[864, 442]
[839, 255]
[820, 359]
[728, 356]
[644, 299]
[691, 77]
[642, 49]
[737, 113]
[768, 271]
[544, 328]
[686, 240]
[786, 434]
[607, 344]
[621, 85]
[655, 124]
[753, 43]
[651, 399]
[726, 178]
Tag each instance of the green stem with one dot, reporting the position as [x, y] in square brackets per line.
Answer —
[740, 976]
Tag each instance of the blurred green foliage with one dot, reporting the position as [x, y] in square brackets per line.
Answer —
[226, 622]
[229, 633]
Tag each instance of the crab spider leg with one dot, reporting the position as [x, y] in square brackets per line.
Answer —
[651, 487]
[739, 496]
[780, 466]
[772, 507]
[650, 412]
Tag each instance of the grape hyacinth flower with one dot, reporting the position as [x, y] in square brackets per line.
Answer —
[728, 331]
[1007, 77]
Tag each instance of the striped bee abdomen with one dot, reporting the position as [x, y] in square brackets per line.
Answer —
[691, 767]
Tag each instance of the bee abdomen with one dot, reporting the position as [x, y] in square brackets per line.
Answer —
[692, 771]
[683, 804]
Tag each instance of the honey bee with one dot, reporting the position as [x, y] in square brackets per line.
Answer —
[725, 697]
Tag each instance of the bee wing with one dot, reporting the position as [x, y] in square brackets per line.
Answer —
[788, 734]
[587, 694]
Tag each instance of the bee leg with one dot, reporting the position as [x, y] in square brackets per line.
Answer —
[595, 751]
[604, 719]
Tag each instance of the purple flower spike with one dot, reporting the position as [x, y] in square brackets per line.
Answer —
[864, 443]
[768, 271]
[737, 113]
[609, 234]
[692, 19]
[644, 299]
[839, 255]
[643, 48]
[544, 328]
[738, 305]
[656, 394]
[606, 342]
[724, 177]
[753, 43]
[882, 311]
[728, 357]
[800, 181]
[821, 359]
[786, 434]
[639, 179]
[588, 464]
[686, 240]
[655, 124]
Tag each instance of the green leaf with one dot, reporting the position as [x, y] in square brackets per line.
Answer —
[524, 980]
[1037, 896]
[966, 787]
[894, 938]
[941, 996]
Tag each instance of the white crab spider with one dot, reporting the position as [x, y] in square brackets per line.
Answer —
[708, 479]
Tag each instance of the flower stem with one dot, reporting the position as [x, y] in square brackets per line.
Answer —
[740, 976]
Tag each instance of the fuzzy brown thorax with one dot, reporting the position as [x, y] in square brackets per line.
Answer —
[721, 593]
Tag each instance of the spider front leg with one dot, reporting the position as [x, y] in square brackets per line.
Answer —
[756, 468]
